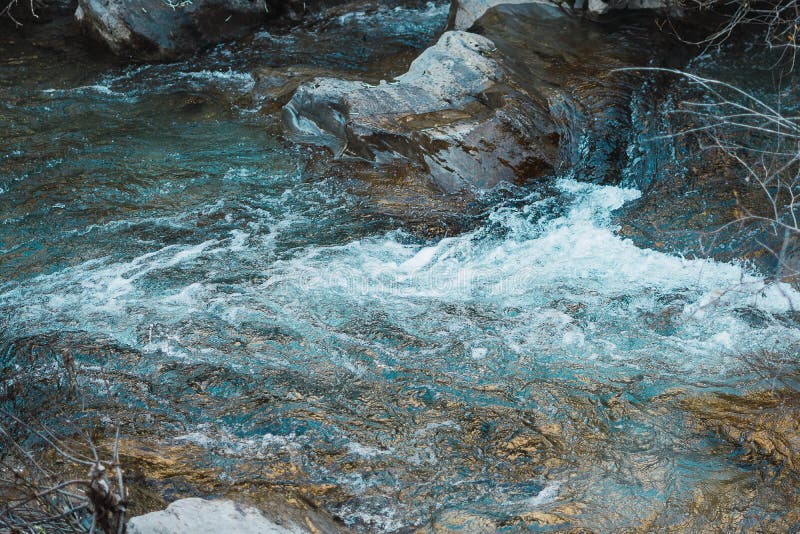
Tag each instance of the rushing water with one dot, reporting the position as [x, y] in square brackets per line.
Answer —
[264, 313]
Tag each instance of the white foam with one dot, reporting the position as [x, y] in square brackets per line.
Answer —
[479, 353]
[515, 270]
[95, 88]
[577, 256]
[547, 495]
[431, 427]
[399, 15]
[197, 438]
[364, 451]
[242, 81]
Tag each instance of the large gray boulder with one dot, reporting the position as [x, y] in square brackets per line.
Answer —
[464, 13]
[536, 91]
[154, 29]
[166, 29]
[435, 115]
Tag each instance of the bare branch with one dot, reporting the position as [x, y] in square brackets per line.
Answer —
[36, 500]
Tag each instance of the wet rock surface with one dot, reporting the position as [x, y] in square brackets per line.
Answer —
[567, 66]
[716, 199]
[760, 432]
[425, 116]
[534, 92]
[698, 200]
[760, 426]
[160, 30]
[464, 13]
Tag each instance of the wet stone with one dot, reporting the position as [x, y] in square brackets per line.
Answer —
[499, 104]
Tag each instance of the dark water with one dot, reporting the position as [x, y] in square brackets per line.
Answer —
[162, 230]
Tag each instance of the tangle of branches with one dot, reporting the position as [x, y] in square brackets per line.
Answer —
[38, 497]
[12, 5]
[765, 142]
[778, 20]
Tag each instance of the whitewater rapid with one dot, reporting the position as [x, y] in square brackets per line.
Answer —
[515, 273]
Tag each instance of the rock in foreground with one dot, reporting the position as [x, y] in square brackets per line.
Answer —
[200, 516]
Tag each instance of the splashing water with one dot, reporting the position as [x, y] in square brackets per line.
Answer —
[543, 296]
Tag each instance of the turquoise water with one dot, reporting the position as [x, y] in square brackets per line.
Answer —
[162, 230]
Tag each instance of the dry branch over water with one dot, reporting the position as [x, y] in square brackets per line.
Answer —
[39, 496]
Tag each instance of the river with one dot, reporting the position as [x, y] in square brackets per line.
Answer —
[163, 230]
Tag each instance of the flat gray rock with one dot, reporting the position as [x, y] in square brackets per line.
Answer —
[200, 516]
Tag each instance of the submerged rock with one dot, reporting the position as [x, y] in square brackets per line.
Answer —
[712, 197]
[762, 425]
[534, 92]
[759, 435]
[699, 199]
